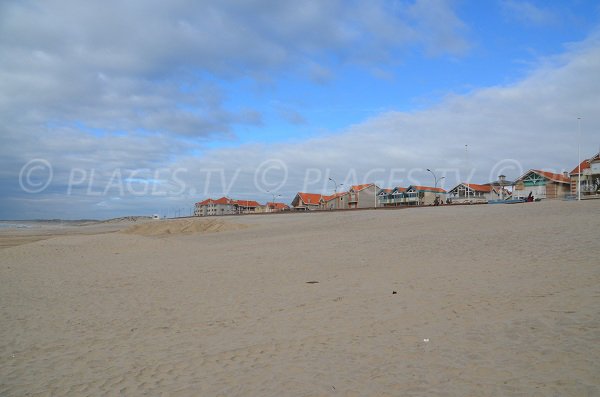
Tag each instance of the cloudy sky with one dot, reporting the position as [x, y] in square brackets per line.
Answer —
[114, 108]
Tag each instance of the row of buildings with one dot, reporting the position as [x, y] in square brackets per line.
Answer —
[534, 183]
[227, 206]
[368, 196]
[583, 180]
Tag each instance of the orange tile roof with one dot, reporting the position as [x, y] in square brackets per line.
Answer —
[277, 206]
[222, 200]
[358, 188]
[478, 188]
[553, 177]
[429, 188]
[397, 188]
[585, 164]
[225, 201]
[310, 198]
[246, 203]
[332, 196]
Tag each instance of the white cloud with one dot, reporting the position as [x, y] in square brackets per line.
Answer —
[532, 121]
[122, 86]
[121, 65]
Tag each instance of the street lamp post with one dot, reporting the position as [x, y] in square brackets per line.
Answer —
[467, 167]
[273, 194]
[336, 186]
[335, 190]
[435, 181]
[579, 159]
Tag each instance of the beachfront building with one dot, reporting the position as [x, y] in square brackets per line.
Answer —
[226, 206]
[363, 196]
[502, 187]
[359, 196]
[275, 207]
[590, 178]
[424, 195]
[247, 206]
[306, 201]
[473, 193]
[210, 207]
[271, 207]
[542, 185]
[392, 197]
[337, 201]
[383, 196]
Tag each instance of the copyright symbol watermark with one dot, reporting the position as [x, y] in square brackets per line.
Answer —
[270, 175]
[36, 175]
[506, 166]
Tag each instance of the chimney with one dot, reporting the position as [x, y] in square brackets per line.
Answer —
[501, 178]
[566, 174]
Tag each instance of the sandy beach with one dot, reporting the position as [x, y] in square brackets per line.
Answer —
[487, 300]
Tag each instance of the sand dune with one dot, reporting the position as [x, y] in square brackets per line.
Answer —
[490, 301]
[183, 226]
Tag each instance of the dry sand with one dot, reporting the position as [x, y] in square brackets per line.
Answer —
[499, 300]
[183, 226]
[42, 230]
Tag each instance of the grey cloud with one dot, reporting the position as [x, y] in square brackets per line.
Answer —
[83, 167]
[291, 116]
[107, 63]
[140, 85]
[445, 31]
[320, 74]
